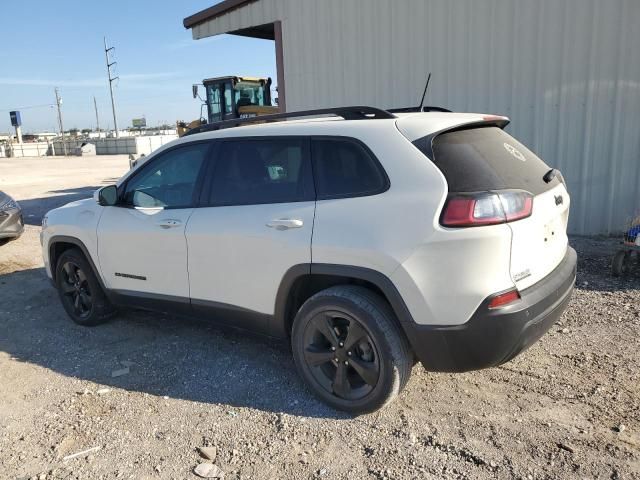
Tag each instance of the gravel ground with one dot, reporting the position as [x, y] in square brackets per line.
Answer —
[145, 391]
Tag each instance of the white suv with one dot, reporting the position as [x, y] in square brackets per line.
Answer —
[369, 240]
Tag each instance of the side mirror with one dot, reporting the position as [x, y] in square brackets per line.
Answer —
[108, 196]
[194, 90]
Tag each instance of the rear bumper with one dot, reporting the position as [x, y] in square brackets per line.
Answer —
[493, 337]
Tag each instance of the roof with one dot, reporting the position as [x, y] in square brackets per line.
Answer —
[214, 12]
[236, 77]
[411, 125]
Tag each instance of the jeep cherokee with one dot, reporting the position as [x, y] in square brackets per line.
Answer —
[368, 240]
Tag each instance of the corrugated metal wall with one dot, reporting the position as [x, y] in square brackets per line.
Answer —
[567, 72]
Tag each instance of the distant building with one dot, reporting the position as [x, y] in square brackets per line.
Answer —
[38, 137]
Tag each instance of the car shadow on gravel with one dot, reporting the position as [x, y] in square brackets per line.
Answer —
[34, 208]
[159, 355]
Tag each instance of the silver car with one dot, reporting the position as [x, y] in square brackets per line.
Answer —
[11, 221]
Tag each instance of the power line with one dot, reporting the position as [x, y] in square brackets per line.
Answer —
[29, 107]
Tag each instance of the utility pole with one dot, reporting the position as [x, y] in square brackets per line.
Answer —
[111, 79]
[59, 105]
[95, 106]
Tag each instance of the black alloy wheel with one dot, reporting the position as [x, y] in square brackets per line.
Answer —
[350, 350]
[341, 355]
[75, 289]
[80, 290]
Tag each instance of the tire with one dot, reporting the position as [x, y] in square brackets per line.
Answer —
[80, 292]
[349, 349]
[620, 264]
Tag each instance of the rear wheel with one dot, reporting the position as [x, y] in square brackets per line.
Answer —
[79, 290]
[349, 350]
[621, 263]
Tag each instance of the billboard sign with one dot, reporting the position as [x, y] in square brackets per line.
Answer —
[139, 122]
[16, 119]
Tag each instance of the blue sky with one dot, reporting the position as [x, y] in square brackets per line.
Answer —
[48, 44]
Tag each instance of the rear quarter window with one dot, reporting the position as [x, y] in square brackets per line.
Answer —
[345, 168]
[487, 158]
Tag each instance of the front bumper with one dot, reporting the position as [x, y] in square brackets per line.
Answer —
[11, 224]
[493, 337]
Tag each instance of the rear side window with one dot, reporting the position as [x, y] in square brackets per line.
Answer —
[344, 168]
[260, 171]
[481, 159]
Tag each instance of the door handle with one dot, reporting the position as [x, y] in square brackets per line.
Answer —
[169, 223]
[285, 223]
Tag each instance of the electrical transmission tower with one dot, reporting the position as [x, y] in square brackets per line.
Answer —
[111, 80]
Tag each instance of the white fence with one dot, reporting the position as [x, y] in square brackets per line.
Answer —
[118, 146]
[104, 146]
[148, 144]
[32, 149]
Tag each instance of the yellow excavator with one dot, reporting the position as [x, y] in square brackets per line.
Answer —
[229, 98]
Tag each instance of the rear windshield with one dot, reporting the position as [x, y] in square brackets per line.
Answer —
[487, 158]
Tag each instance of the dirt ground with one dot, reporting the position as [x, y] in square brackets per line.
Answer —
[144, 391]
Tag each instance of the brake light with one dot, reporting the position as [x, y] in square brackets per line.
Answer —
[474, 210]
[504, 299]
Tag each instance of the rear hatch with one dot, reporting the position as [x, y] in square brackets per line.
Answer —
[493, 178]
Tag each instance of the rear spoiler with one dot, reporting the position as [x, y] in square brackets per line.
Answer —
[487, 121]
[418, 109]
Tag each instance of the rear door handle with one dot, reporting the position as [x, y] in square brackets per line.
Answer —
[285, 223]
[169, 223]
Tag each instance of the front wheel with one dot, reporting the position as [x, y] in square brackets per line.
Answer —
[79, 290]
[349, 350]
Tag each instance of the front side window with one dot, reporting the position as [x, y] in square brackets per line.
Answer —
[344, 168]
[228, 98]
[213, 102]
[250, 171]
[168, 181]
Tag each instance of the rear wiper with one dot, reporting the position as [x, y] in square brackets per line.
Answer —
[550, 175]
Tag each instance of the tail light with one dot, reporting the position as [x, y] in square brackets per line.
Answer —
[504, 299]
[487, 208]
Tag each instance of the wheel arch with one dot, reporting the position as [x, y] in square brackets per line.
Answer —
[302, 281]
[59, 244]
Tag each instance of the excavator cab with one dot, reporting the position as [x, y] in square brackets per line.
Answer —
[237, 97]
[229, 98]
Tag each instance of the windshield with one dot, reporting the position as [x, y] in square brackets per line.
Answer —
[248, 93]
[487, 158]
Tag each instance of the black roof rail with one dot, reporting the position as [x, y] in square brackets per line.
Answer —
[418, 109]
[348, 113]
